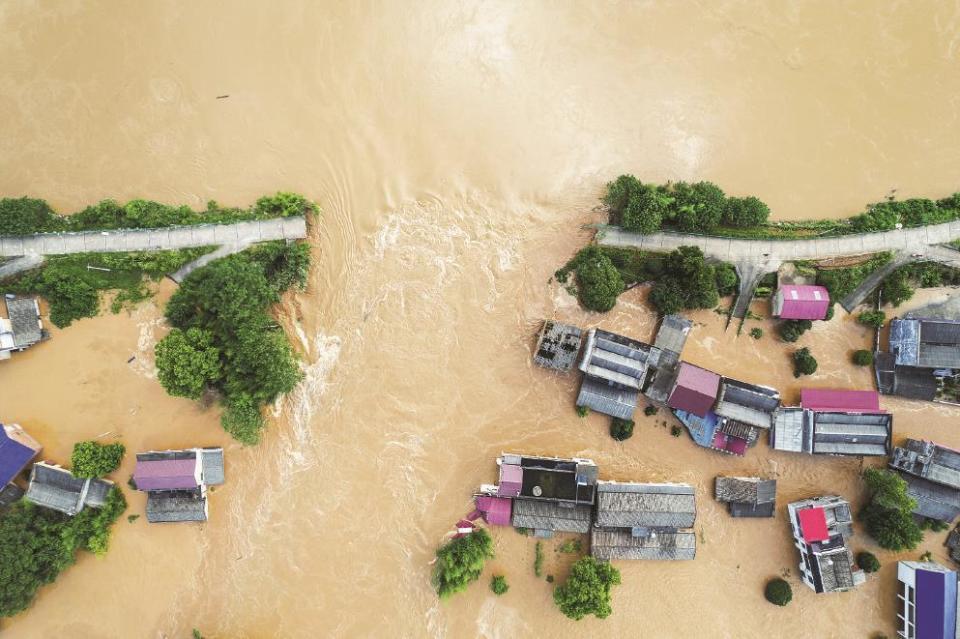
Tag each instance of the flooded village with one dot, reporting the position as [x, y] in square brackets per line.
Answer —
[452, 189]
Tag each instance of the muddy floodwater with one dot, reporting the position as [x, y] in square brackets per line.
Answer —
[456, 150]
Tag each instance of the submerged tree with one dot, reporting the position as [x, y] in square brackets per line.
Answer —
[187, 362]
[460, 562]
[91, 459]
[587, 589]
[778, 592]
[599, 283]
[888, 516]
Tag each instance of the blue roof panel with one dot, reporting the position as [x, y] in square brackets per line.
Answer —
[13, 457]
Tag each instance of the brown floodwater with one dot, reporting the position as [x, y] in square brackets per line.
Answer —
[456, 149]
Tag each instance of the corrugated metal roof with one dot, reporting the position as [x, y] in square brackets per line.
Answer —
[673, 332]
[801, 302]
[24, 314]
[212, 465]
[607, 399]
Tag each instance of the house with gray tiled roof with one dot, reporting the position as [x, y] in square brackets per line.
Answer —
[747, 496]
[20, 326]
[176, 482]
[644, 521]
[58, 489]
[548, 517]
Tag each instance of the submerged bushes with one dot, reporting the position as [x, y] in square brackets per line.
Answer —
[460, 562]
[225, 339]
[587, 589]
[91, 459]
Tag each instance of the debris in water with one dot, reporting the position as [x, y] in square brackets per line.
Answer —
[220, 97]
[132, 357]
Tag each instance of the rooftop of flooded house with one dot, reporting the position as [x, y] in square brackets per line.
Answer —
[21, 327]
[928, 460]
[748, 403]
[695, 389]
[558, 346]
[925, 342]
[832, 432]
[548, 478]
[747, 496]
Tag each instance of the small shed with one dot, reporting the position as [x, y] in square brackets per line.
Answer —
[495, 510]
[557, 346]
[747, 496]
[801, 302]
[695, 390]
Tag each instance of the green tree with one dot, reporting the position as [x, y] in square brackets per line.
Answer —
[25, 215]
[644, 211]
[700, 206]
[187, 362]
[778, 592]
[242, 418]
[756, 333]
[283, 204]
[745, 212]
[791, 330]
[261, 364]
[499, 586]
[868, 561]
[587, 589]
[621, 429]
[538, 559]
[37, 544]
[888, 514]
[862, 357]
[599, 282]
[91, 459]
[686, 281]
[726, 277]
[803, 363]
[874, 319]
[460, 562]
[619, 192]
[896, 289]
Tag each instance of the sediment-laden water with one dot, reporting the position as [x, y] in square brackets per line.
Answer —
[456, 150]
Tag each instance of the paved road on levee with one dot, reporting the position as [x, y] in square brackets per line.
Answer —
[751, 257]
[124, 240]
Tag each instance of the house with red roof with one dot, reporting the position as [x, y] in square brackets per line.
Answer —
[801, 302]
[695, 390]
[821, 527]
[847, 401]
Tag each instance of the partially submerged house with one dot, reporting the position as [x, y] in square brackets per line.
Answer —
[932, 473]
[800, 302]
[176, 482]
[927, 597]
[21, 326]
[695, 390]
[614, 370]
[923, 360]
[834, 422]
[17, 449]
[644, 521]
[747, 496]
[544, 494]
[821, 527]
[557, 346]
[56, 488]
[742, 411]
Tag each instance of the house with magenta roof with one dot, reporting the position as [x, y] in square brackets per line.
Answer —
[834, 422]
[927, 594]
[821, 527]
[801, 302]
[695, 390]
[176, 482]
[543, 494]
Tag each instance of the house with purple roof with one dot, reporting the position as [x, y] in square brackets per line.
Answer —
[176, 482]
[17, 449]
[927, 594]
[695, 390]
[801, 302]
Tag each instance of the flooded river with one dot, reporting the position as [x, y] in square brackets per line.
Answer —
[456, 149]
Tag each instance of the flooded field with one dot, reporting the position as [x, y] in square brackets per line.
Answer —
[456, 151]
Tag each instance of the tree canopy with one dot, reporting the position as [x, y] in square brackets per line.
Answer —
[460, 562]
[91, 459]
[187, 362]
[225, 339]
[686, 281]
[37, 544]
[888, 515]
[778, 592]
[598, 281]
[587, 589]
[803, 362]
